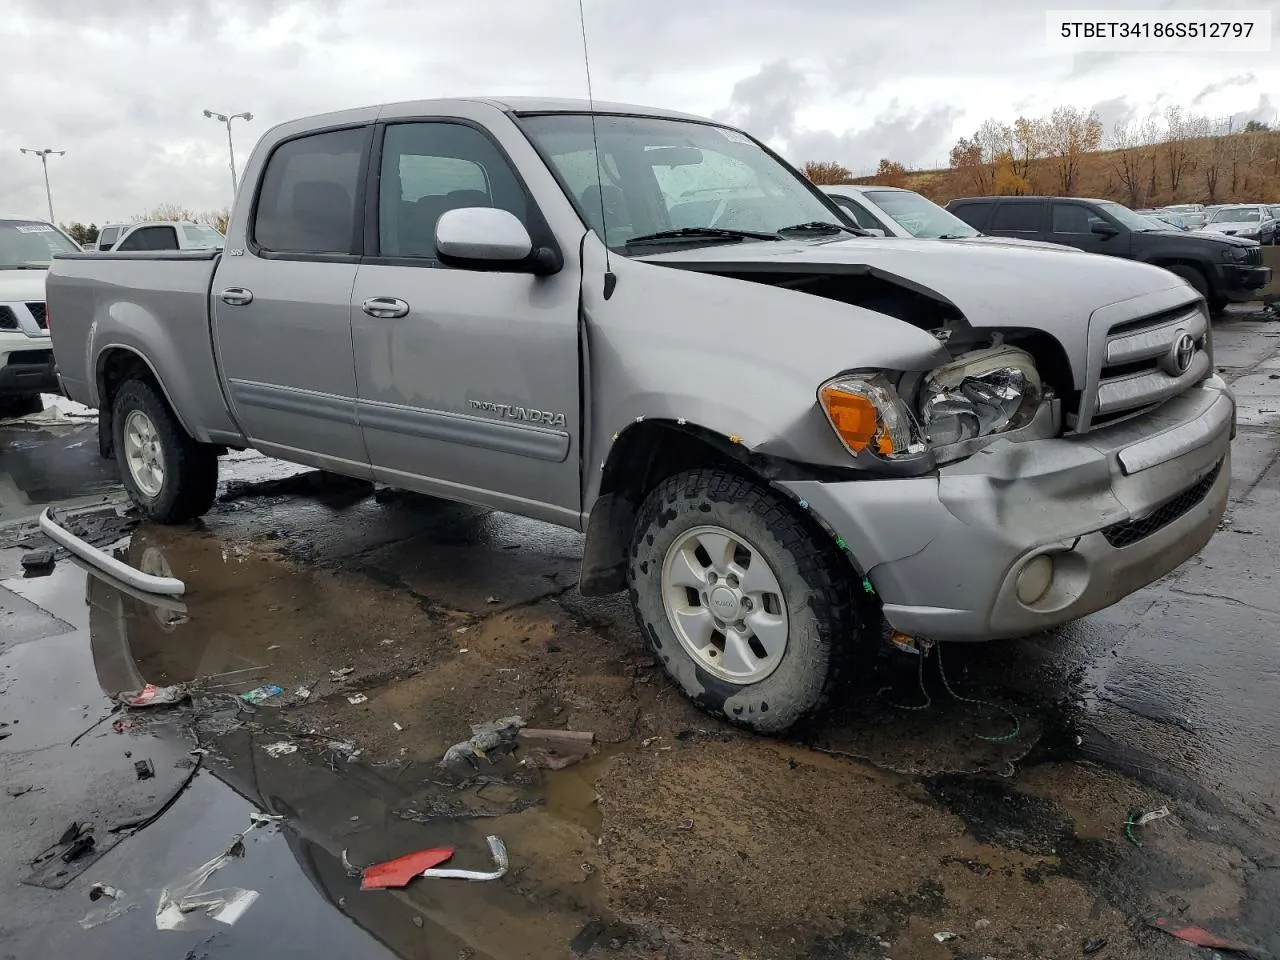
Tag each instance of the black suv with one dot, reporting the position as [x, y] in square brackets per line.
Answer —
[1222, 268]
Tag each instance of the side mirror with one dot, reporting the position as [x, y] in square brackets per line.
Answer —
[486, 238]
[1104, 230]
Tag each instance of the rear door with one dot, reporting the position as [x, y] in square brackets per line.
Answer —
[472, 392]
[150, 238]
[976, 213]
[1020, 219]
[282, 301]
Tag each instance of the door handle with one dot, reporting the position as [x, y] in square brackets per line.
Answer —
[236, 296]
[386, 308]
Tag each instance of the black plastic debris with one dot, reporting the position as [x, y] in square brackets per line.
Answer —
[1093, 945]
[144, 769]
[37, 562]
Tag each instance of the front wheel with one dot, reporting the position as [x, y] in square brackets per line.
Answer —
[751, 609]
[170, 476]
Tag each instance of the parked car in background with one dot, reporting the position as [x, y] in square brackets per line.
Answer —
[168, 235]
[109, 234]
[1253, 221]
[1192, 214]
[1164, 220]
[1275, 210]
[752, 413]
[27, 246]
[1223, 269]
[895, 212]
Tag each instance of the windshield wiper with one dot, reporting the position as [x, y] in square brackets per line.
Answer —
[955, 236]
[702, 233]
[822, 226]
[23, 266]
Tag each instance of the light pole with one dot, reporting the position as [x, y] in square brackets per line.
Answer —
[231, 150]
[44, 156]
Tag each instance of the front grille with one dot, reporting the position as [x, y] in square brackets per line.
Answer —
[1140, 366]
[1128, 532]
[1253, 256]
[39, 314]
[8, 319]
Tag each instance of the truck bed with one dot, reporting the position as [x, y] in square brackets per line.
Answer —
[154, 305]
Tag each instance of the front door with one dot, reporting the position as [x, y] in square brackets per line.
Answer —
[282, 305]
[1072, 224]
[468, 383]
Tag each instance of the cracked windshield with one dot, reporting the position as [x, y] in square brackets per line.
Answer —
[604, 481]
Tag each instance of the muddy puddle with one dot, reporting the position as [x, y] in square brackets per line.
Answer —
[927, 803]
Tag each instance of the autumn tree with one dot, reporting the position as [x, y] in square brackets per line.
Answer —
[827, 172]
[1029, 143]
[978, 155]
[1006, 180]
[1070, 133]
[890, 173]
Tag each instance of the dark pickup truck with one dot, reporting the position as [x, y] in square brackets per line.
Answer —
[1222, 269]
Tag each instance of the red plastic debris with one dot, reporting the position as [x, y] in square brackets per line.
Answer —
[1201, 937]
[398, 872]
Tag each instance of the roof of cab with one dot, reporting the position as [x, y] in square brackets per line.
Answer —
[557, 105]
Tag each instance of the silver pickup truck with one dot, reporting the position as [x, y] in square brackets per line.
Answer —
[643, 325]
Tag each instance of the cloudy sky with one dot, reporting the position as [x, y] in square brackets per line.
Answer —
[120, 84]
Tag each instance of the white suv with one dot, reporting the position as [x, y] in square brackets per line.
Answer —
[27, 247]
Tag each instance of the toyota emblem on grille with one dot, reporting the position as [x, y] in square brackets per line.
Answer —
[1181, 354]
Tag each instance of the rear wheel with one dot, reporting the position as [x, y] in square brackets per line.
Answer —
[750, 609]
[1217, 306]
[171, 477]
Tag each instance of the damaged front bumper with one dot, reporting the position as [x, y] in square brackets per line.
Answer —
[954, 556]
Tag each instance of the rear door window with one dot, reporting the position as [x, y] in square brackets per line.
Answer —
[150, 238]
[1019, 218]
[974, 213]
[307, 202]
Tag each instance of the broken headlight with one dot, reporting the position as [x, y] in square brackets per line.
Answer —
[978, 394]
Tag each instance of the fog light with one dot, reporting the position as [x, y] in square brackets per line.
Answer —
[1034, 580]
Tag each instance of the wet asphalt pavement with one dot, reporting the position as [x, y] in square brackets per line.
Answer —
[996, 813]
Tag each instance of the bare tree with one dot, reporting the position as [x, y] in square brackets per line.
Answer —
[1071, 133]
[1179, 156]
[218, 219]
[1149, 134]
[1127, 154]
[166, 211]
[1215, 156]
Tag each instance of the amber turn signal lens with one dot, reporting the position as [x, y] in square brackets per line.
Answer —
[854, 418]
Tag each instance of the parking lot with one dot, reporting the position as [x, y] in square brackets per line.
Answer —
[971, 803]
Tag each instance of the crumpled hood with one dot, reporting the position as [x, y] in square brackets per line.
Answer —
[22, 285]
[991, 284]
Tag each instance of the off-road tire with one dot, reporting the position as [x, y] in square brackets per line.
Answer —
[190, 468]
[830, 619]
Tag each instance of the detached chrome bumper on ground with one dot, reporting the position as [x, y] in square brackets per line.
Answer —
[957, 556]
